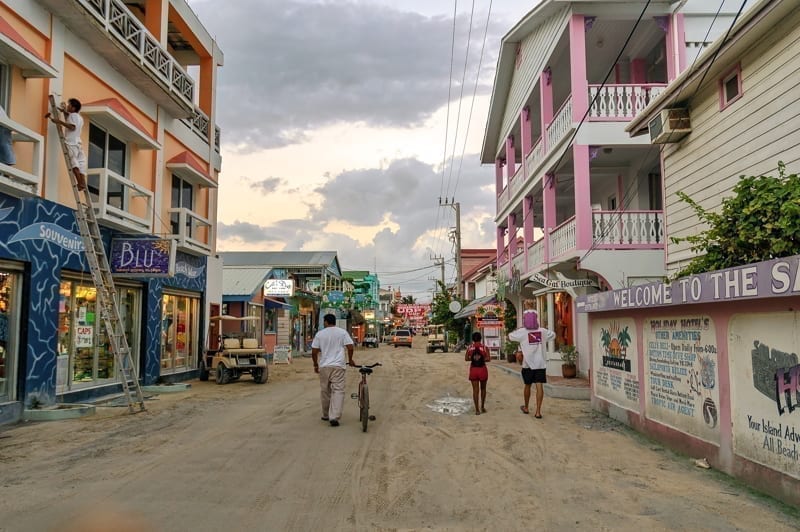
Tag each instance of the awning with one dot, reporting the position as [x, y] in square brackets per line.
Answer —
[270, 302]
[111, 115]
[17, 51]
[187, 167]
[473, 305]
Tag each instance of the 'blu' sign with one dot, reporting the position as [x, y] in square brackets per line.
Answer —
[143, 257]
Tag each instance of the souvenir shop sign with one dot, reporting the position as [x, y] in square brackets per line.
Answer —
[489, 315]
[561, 284]
[279, 288]
[143, 257]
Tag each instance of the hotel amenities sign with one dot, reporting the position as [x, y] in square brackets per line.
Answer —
[139, 257]
[774, 278]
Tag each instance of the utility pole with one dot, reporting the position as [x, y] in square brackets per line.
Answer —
[456, 239]
[439, 261]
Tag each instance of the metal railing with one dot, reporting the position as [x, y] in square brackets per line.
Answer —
[119, 201]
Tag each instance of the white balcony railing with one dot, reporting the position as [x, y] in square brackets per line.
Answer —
[199, 123]
[560, 124]
[119, 202]
[217, 138]
[519, 260]
[192, 231]
[620, 102]
[562, 238]
[503, 199]
[131, 33]
[628, 229]
[536, 254]
[24, 178]
[535, 156]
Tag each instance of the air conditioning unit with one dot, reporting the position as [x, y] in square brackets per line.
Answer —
[671, 125]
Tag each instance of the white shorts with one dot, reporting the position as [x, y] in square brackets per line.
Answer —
[76, 157]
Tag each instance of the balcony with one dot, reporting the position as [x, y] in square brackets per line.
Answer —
[518, 261]
[628, 229]
[620, 103]
[199, 124]
[561, 124]
[24, 177]
[116, 34]
[192, 231]
[562, 238]
[119, 202]
[536, 254]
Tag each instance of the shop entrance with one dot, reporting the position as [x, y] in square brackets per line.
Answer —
[9, 328]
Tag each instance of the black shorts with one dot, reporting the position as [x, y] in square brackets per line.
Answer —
[529, 376]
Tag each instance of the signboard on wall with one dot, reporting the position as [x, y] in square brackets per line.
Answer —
[282, 354]
[139, 257]
[84, 336]
[765, 389]
[278, 288]
[681, 374]
[615, 362]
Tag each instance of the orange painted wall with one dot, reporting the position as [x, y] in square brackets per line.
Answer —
[173, 147]
[34, 38]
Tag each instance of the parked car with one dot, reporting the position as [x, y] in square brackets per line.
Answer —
[401, 337]
[437, 339]
[370, 340]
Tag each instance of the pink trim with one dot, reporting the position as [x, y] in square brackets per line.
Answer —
[629, 246]
[737, 72]
[583, 200]
[680, 37]
[642, 85]
[663, 203]
[187, 158]
[120, 109]
[8, 30]
[498, 175]
[546, 103]
[562, 224]
[500, 245]
[527, 223]
[672, 72]
[525, 132]
[511, 164]
[577, 62]
[548, 213]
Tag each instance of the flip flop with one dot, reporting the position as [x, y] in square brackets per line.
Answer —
[537, 416]
[524, 410]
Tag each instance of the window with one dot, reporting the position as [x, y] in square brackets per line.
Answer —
[10, 307]
[654, 186]
[730, 88]
[182, 198]
[270, 321]
[106, 152]
[5, 84]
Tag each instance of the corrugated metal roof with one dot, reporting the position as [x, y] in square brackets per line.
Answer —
[473, 305]
[278, 259]
[243, 281]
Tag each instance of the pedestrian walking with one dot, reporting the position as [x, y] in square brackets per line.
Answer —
[532, 342]
[478, 356]
[73, 124]
[328, 353]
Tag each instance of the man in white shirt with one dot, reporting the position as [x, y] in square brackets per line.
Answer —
[327, 352]
[73, 124]
[532, 343]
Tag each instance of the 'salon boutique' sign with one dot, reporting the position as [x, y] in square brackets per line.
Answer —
[774, 278]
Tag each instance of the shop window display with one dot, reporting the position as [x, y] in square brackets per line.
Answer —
[179, 330]
[8, 310]
[563, 315]
[84, 352]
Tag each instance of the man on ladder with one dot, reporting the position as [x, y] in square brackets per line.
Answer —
[93, 246]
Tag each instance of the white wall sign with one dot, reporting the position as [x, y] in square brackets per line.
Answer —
[279, 288]
[615, 362]
[282, 354]
[681, 374]
[84, 334]
[765, 388]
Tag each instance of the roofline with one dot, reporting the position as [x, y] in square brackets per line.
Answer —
[690, 77]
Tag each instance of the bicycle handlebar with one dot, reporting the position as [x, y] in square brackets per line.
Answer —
[364, 366]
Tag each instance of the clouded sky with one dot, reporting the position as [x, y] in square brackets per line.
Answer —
[333, 118]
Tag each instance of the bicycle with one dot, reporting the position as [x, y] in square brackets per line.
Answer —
[363, 396]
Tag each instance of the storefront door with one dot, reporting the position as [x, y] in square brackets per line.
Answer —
[9, 327]
[179, 332]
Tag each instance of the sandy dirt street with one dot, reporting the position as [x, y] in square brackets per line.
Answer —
[257, 457]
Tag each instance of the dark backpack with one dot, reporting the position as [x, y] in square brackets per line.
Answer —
[476, 356]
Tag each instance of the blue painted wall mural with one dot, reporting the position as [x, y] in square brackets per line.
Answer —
[45, 236]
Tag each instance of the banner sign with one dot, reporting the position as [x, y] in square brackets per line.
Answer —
[143, 257]
[489, 315]
[774, 278]
[413, 310]
[560, 284]
[279, 288]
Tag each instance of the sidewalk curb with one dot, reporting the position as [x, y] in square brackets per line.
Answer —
[553, 390]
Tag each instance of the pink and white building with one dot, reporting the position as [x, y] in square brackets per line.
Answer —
[583, 197]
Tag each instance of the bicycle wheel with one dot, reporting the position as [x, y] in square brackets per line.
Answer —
[364, 404]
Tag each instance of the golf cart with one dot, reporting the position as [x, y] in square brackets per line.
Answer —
[238, 353]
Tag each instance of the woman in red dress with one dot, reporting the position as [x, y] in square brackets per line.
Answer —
[478, 356]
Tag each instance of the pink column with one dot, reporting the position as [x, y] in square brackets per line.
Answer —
[546, 100]
[498, 175]
[512, 235]
[577, 64]
[548, 210]
[679, 41]
[500, 244]
[527, 227]
[525, 134]
[638, 71]
[511, 162]
[583, 202]
[670, 38]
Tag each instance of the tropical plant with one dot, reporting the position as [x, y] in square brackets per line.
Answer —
[569, 354]
[408, 300]
[757, 223]
[441, 314]
[605, 339]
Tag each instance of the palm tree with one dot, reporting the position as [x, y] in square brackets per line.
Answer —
[408, 300]
[624, 339]
[605, 339]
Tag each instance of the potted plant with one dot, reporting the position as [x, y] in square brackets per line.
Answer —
[510, 348]
[569, 355]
